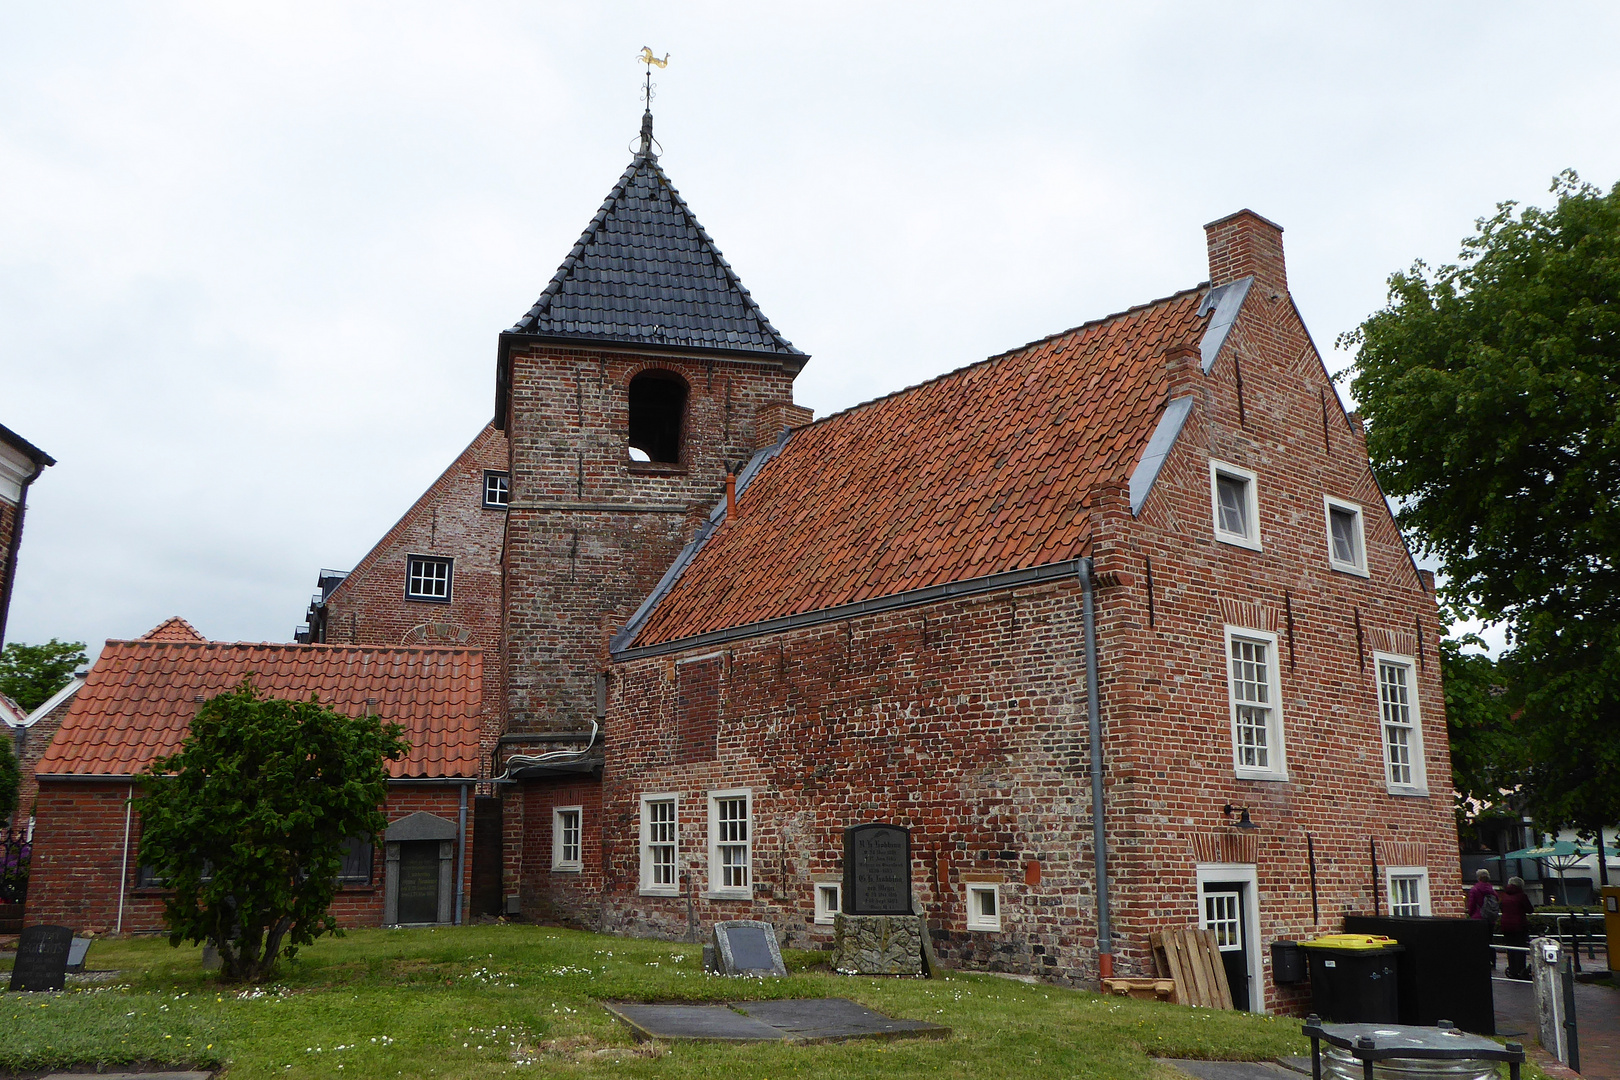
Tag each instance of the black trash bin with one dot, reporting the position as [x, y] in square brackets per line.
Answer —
[1354, 978]
[1445, 972]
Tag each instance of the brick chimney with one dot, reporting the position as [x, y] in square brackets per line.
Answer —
[1245, 243]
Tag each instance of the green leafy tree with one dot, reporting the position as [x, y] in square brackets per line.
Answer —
[10, 776]
[247, 822]
[30, 674]
[1492, 391]
[1488, 755]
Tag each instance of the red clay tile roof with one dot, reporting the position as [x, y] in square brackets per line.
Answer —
[981, 471]
[172, 629]
[138, 701]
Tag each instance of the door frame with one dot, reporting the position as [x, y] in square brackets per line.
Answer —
[1245, 874]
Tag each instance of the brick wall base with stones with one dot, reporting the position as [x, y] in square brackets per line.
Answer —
[79, 852]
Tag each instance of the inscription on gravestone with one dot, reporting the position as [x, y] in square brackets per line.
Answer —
[877, 870]
[42, 956]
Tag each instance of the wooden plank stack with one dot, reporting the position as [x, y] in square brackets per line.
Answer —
[1189, 956]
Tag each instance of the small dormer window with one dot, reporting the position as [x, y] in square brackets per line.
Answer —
[1347, 549]
[1234, 505]
[497, 488]
[657, 417]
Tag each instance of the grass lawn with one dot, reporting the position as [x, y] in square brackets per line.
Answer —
[522, 1000]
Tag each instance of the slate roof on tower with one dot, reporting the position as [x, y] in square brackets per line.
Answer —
[983, 472]
[645, 274]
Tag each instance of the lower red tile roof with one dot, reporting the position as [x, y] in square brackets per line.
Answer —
[138, 701]
[981, 471]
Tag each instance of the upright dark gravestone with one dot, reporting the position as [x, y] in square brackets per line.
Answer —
[877, 870]
[747, 947]
[876, 932]
[42, 958]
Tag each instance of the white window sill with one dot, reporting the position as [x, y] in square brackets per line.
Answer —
[984, 928]
[1261, 774]
[1410, 792]
[567, 868]
[1238, 541]
[663, 890]
[729, 894]
[825, 921]
[1348, 568]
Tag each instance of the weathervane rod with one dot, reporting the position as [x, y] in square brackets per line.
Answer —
[647, 57]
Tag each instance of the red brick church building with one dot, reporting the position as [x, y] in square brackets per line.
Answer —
[719, 633]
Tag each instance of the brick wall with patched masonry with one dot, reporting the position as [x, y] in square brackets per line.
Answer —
[1265, 645]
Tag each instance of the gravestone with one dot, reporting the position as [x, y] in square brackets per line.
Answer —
[877, 870]
[42, 957]
[877, 932]
[77, 953]
[747, 947]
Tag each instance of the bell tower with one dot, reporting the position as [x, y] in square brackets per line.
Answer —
[641, 374]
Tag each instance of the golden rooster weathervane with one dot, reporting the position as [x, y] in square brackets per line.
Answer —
[647, 57]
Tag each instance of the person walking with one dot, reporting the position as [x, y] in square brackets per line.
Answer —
[1516, 909]
[1484, 904]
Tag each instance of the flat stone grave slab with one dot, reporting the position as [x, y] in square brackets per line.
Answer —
[826, 1019]
[797, 1021]
[1232, 1070]
[700, 1023]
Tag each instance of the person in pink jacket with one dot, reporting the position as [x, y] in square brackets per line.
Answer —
[1484, 904]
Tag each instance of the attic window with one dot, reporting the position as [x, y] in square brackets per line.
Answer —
[657, 414]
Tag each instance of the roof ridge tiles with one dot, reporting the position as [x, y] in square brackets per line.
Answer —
[1090, 324]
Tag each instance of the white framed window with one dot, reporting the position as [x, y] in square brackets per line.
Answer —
[1256, 704]
[1408, 890]
[1346, 537]
[983, 905]
[427, 577]
[497, 488]
[1235, 504]
[1400, 727]
[566, 822]
[1223, 918]
[731, 843]
[829, 901]
[660, 845]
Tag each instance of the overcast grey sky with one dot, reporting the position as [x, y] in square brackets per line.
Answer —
[254, 257]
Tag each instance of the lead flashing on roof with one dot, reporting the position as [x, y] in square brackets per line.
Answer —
[716, 518]
[1225, 301]
[1158, 449]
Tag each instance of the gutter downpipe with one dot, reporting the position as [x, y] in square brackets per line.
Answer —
[461, 858]
[1099, 840]
[123, 866]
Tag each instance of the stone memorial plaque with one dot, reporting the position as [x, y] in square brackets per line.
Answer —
[76, 955]
[877, 870]
[419, 881]
[42, 956]
[747, 946]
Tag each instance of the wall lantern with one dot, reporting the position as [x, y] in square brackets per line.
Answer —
[1243, 822]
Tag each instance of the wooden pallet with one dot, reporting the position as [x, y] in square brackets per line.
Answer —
[1190, 957]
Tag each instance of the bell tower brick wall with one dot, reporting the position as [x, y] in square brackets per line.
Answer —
[589, 531]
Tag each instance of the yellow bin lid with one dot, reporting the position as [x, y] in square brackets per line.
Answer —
[1351, 941]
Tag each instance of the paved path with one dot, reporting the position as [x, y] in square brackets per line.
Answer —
[1597, 1018]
